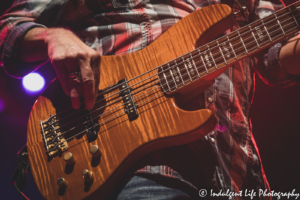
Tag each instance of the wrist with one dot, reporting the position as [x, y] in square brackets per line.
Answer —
[51, 34]
[289, 56]
[34, 46]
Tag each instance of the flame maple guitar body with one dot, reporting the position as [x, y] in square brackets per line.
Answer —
[160, 122]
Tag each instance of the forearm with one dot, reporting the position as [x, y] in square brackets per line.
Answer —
[269, 69]
[34, 46]
[289, 56]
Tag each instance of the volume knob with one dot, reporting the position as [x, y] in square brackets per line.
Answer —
[95, 151]
[69, 158]
[87, 175]
[61, 182]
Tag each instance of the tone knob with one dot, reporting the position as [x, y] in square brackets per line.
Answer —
[95, 151]
[87, 175]
[69, 158]
[61, 182]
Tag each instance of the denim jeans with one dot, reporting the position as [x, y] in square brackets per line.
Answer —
[143, 188]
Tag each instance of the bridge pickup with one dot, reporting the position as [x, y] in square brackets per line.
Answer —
[130, 107]
[89, 124]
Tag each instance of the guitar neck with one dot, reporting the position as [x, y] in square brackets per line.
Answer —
[230, 48]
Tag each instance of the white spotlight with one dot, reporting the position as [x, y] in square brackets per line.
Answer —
[33, 82]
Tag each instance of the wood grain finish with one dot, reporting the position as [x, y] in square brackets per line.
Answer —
[160, 123]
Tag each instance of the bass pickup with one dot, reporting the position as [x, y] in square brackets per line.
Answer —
[125, 93]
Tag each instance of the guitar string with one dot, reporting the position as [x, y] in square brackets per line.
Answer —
[216, 46]
[137, 104]
[230, 53]
[187, 71]
[220, 57]
[114, 117]
[183, 61]
[148, 87]
[239, 44]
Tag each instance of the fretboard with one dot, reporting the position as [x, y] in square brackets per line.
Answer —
[230, 48]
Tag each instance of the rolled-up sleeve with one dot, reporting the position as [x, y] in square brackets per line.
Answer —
[271, 72]
[16, 22]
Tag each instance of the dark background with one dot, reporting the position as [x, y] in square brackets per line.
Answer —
[275, 118]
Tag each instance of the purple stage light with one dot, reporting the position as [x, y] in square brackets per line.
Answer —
[33, 82]
[1, 105]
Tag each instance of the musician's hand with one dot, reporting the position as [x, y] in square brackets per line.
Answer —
[76, 64]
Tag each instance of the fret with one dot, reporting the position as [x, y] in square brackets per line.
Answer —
[242, 41]
[196, 68]
[260, 34]
[167, 82]
[194, 65]
[254, 36]
[279, 24]
[231, 46]
[162, 78]
[288, 23]
[224, 45]
[273, 27]
[179, 72]
[262, 21]
[189, 66]
[186, 68]
[221, 52]
[172, 76]
[293, 16]
[180, 75]
[212, 56]
[213, 60]
[203, 61]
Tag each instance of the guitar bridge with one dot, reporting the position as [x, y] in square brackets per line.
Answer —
[130, 107]
[55, 142]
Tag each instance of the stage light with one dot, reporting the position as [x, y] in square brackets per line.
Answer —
[222, 128]
[33, 82]
[1, 105]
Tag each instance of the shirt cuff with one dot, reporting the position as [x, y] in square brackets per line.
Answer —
[274, 73]
[12, 64]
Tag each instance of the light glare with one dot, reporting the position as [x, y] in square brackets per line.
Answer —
[33, 82]
[1, 105]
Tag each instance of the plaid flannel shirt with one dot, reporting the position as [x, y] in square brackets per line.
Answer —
[227, 158]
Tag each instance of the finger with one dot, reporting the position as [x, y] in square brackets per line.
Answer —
[62, 74]
[74, 82]
[88, 82]
[95, 63]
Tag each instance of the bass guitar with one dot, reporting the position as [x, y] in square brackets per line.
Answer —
[80, 154]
